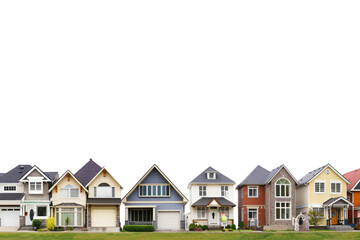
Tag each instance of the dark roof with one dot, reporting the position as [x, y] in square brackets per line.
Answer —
[15, 174]
[51, 175]
[11, 196]
[1, 174]
[220, 178]
[68, 204]
[205, 201]
[272, 173]
[256, 177]
[87, 172]
[310, 175]
[103, 201]
[338, 200]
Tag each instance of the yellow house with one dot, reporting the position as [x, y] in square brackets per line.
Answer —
[324, 191]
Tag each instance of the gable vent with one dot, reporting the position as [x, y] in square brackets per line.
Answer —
[327, 171]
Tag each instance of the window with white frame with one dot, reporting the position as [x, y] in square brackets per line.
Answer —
[283, 210]
[9, 188]
[282, 188]
[154, 190]
[202, 191]
[319, 187]
[75, 216]
[253, 192]
[211, 175]
[226, 211]
[319, 211]
[69, 192]
[35, 187]
[224, 191]
[335, 187]
[201, 212]
[41, 211]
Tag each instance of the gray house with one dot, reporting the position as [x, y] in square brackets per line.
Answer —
[155, 200]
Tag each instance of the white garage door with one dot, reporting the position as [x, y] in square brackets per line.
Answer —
[168, 220]
[103, 216]
[9, 217]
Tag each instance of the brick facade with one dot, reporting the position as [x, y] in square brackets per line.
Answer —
[246, 203]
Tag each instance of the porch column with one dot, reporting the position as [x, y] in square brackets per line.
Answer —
[330, 216]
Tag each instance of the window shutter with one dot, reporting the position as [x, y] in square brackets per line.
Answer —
[94, 191]
[113, 192]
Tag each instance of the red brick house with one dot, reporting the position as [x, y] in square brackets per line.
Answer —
[267, 198]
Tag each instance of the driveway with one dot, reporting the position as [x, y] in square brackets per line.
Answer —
[8, 229]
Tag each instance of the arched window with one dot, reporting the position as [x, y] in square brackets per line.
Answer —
[104, 185]
[282, 188]
[69, 186]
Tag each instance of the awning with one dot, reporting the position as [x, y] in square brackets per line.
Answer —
[338, 202]
[207, 201]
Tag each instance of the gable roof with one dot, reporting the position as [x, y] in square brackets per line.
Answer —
[11, 196]
[220, 178]
[313, 174]
[167, 179]
[338, 200]
[52, 175]
[101, 170]
[87, 172]
[257, 177]
[15, 174]
[39, 171]
[59, 180]
[261, 176]
[205, 201]
[353, 177]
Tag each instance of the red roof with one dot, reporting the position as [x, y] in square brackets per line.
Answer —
[353, 177]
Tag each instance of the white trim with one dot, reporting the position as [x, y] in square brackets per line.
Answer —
[335, 187]
[326, 166]
[353, 188]
[340, 198]
[31, 192]
[290, 213]
[31, 170]
[153, 202]
[60, 179]
[320, 181]
[257, 215]
[285, 188]
[257, 191]
[283, 166]
[167, 179]
[141, 206]
[107, 172]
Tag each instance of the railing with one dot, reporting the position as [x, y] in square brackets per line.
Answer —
[140, 223]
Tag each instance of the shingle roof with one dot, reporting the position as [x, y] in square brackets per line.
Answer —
[11, 196]
[205, 201]
[353, 178]
[87, 172]
[338, 200]
[272, 173]
[15, 174]
[310, 175]
[51, 175]
[103, 201]
[1, 174]
[68, 204]
[220, 178]
[257, 177]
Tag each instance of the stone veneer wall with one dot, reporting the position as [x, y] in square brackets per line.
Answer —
[22, 221]
[117, 216]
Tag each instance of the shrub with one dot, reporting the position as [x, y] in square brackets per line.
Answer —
[205, 227]
[192, 227]
[59, 229]
[69, 228]
[139, 228]
[198, 229]
[233, 227]
[228, 227]
[85, 229]
[357, 227]
[36, 223]
[50, 223]
[242, 225]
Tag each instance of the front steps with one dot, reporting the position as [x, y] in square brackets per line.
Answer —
[26, 228]
[340, 228]
[104, 229]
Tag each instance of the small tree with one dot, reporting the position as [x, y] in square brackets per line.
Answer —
[67, 222]
[50, 223]
[314, 218]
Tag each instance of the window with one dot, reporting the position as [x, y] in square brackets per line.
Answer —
[202, 191]
[69, 192]
[224, 191]
[41, 211]
[141, 215]
[211, 175]
[9, 188]
[201, 214]
[319, 187]
[226, 211]
[252, 213]
[282, 188]
[151, 190]
[253, 192]
[35, 188]
[282, 210]
[104, 190]
[320, 211]
[75, 216]
[335, 187]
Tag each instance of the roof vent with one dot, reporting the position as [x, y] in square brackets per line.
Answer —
[21, 167]
[327, 171]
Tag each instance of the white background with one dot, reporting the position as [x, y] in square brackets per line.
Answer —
[185, 84]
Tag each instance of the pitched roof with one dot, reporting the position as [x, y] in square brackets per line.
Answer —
[353, 177]
[220, 178]
[72, 175]
[51, 175]
[338, 200]
[15, 174]
[87, 172]
[11, 196]
[311, 175]
[205, 201]
[257, 177]
[1, 174]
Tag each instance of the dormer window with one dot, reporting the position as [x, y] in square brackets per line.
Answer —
[104, 190]
[211, 175]
[35, 187]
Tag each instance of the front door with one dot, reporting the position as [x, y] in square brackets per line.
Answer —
[30, 214]
[213, 216]
[334, 216]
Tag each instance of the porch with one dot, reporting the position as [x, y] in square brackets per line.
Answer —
[337, 211]
[140, 215]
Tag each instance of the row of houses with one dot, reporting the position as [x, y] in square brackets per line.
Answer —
[92, 197]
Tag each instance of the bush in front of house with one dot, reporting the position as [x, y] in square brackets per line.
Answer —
[233, 227]
[36, 223]
[139, 228]
[205, 227]
[192, 227]
[242, 225]
[50, 223]
[228, 227]
[198, 229]
[357, 227]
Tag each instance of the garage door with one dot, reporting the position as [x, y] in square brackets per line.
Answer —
[103, 216]
[168, 220]
[9, 217]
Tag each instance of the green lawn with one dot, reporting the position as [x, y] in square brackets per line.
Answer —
[176, 236]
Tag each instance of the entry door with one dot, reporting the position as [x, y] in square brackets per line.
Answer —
[30, 214]
[213, 217]
[334, 216]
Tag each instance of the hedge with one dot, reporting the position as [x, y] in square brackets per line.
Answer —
[139, 228]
